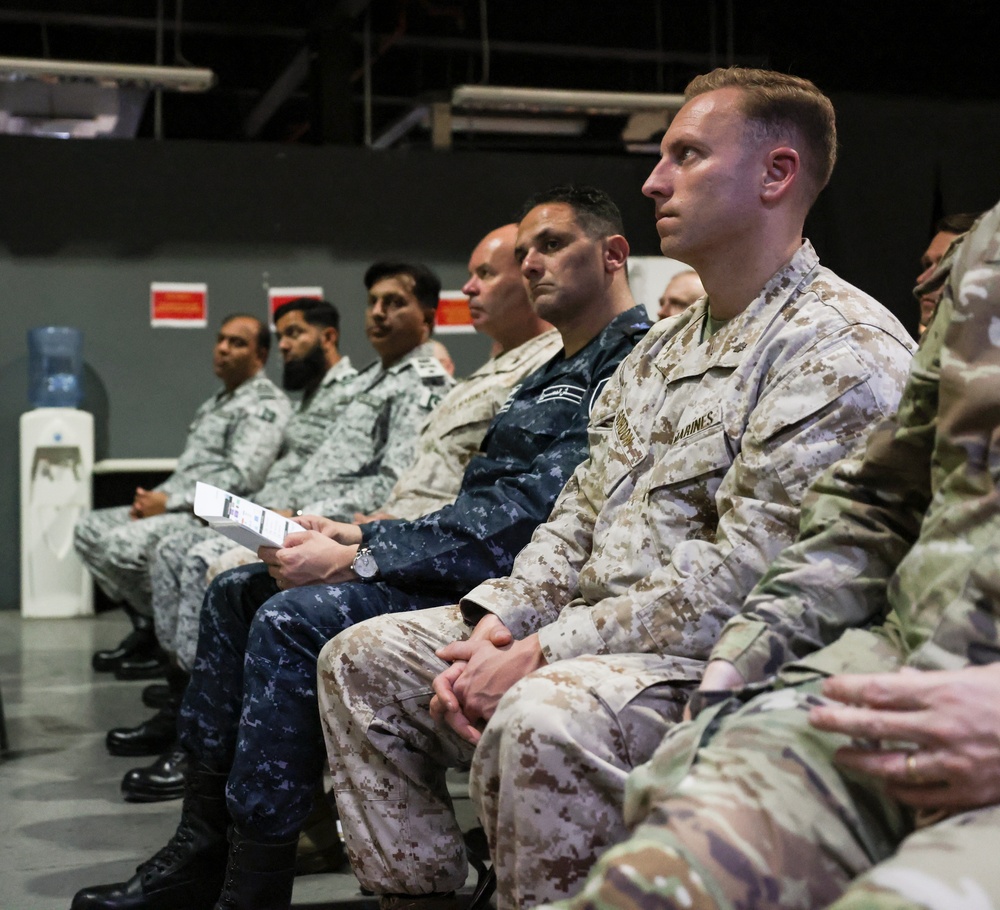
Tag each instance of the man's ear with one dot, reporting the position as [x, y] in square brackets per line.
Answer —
[781, 171]
[331, 336]
[615, 253]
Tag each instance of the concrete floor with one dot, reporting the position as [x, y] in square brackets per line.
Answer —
[63, 824]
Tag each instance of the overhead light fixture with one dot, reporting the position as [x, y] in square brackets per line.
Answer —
[525, 126]
[568, 101]
[537, 112]
[78, 100]
[107, 75]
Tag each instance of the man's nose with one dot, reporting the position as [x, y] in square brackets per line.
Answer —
[658, 182]
[531, 263]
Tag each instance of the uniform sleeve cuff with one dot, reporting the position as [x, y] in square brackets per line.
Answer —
[749, 648]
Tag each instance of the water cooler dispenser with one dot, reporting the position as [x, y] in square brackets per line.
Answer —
[57, 459]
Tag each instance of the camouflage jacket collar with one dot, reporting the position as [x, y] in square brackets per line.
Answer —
[728, 346]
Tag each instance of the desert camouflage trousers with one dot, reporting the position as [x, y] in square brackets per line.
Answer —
[388, 757]
[747, 811]
[117, 550]
[548, 776]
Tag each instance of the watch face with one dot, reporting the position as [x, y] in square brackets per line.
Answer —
[365, 565]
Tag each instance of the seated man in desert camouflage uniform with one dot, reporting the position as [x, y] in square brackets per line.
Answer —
[846, 741]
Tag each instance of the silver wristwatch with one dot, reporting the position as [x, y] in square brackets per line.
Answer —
[364, 565]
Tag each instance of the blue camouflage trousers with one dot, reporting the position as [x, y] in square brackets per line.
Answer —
[250, 707]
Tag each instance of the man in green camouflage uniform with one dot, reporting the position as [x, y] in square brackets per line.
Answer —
[231, 443]
[866, 773]
[700, 451]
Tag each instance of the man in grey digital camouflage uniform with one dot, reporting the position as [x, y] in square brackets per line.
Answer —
[454, 433]
[866, 774]
[231, 442]
[308, 334]
[365, 438]
[701, 449]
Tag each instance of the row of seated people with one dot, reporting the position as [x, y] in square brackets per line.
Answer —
[352, 435]
[549, 626]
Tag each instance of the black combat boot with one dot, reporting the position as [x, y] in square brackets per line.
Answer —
[189, 871]
[164, 779]
[259, 876]
[152, 737]
[139, 644]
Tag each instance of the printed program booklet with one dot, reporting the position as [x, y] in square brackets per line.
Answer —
[241, 520]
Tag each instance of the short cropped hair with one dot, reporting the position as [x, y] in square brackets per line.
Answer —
[426, 285]
[263, 333]
[956, 224]
[314, 312]
[595, 210]
[775, 103]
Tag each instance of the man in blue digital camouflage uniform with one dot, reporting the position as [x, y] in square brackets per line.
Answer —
[250, 712]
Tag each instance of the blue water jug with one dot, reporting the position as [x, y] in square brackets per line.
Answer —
[55, 367]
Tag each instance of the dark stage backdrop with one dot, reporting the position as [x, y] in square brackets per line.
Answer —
[86, 226]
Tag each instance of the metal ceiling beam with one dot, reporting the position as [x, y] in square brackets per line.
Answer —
[576, 51]
[284, 86]
[135, 23]
[428, 42]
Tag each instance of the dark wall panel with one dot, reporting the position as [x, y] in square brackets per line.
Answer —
[86, 226]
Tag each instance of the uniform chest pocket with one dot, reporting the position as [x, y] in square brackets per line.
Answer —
[695, 458]
[366, 418]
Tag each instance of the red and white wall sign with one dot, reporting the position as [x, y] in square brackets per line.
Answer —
[453, 314]
[278, 296]
[178, 304]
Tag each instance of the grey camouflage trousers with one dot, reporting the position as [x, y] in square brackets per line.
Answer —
[177, 573]
[760, 817]
[116, 550]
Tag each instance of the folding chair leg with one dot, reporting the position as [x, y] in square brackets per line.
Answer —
[486, 877]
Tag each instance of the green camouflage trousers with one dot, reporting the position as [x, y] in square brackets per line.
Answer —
[747, 811]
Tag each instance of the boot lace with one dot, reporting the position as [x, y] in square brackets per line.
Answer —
[167, 856]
